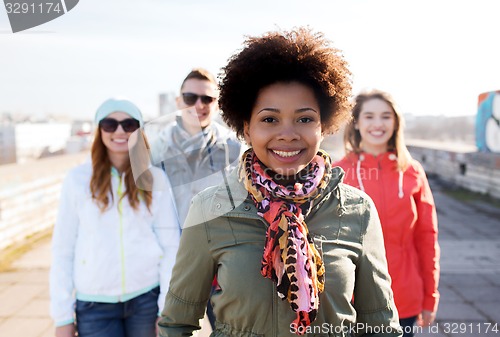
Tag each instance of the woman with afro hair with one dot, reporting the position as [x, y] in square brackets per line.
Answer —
[295, 251]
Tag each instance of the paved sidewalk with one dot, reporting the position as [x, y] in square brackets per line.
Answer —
[24, 296]
[469, 235]
[470, 278]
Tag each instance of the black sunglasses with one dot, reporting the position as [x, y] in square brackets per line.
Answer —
[190, 99]
[110, 124]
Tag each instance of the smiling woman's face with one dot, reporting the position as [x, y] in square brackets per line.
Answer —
[117, 141]
[376, 124]
[285, 127]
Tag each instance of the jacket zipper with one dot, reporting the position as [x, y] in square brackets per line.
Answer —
[274, 302]
[382, 188]
[122, 250]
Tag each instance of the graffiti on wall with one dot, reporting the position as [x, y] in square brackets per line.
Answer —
[488, 122]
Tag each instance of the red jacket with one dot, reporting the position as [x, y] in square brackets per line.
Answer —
[406, 208]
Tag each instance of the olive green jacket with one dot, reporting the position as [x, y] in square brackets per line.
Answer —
[224, 237]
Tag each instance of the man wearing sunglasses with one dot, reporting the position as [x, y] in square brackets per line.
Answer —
[197, 150]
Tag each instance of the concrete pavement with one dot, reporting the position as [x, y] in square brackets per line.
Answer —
[24, 296]
[470, 277]
[469, 235]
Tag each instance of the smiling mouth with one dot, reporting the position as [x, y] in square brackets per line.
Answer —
[195, 113]
[120, 141]
[286, 154]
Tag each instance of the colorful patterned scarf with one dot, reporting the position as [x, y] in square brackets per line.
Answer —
[290, 258]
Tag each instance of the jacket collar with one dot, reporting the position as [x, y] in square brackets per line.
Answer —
[232, 199]
[386, 159]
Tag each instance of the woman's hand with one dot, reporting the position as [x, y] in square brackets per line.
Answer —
[156, 326]
[66, 330]
[426, 318]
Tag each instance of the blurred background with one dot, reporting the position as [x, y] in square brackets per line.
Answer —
[439, 59]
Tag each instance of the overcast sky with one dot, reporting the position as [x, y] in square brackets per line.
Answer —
[435, 57]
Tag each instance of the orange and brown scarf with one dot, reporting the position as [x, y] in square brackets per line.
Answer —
[290, 258]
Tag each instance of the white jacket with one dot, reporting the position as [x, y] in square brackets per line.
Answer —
[112, 256]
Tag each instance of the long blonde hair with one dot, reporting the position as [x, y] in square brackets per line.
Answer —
[100, 183]
[352, 136]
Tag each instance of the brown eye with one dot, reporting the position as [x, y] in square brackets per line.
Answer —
[268, 120]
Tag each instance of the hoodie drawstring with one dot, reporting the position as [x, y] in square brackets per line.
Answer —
[401, 193]
[360, 181]
[358, 173]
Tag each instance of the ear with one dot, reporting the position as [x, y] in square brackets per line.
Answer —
[246, 133]
[356, 127]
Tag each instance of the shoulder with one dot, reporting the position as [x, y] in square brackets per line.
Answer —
[415, 168]
[415, 165]
[227, 138]
[77, 181]
[200, 207]
[161, 182]
[217, 201]
[160, 141]
[224, 133]
[355, 211]
[358, 207]
[354, 196]
[80, 173]
[344, 162]
[163, 136]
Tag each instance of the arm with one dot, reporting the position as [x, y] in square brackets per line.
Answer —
[373, 297]
[167, 229]
[192, 277]
[64, 240]
[426, 233]
[66, 330]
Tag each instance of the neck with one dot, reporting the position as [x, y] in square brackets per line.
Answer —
[192, 130]
[119, 160]
[374, 150]
[288, 182]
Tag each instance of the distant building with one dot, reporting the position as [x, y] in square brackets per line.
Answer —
[35, 140]
[81, 136]
[458, 129]
[30, 140]
[7, 144]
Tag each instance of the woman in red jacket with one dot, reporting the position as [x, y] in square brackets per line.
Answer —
[378, 162]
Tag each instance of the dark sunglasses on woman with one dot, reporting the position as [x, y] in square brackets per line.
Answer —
[190, 99]
[111, 124]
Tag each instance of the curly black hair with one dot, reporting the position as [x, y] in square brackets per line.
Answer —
[298, 55]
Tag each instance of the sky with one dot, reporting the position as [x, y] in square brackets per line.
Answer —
[433, 56]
